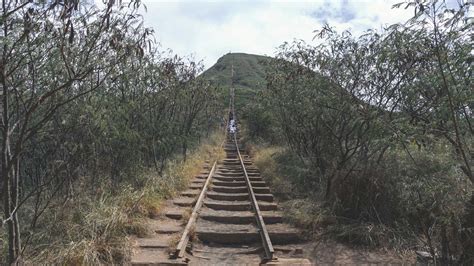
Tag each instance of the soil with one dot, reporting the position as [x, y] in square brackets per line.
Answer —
[226, 233]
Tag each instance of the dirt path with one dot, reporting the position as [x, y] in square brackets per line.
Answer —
[226, 231]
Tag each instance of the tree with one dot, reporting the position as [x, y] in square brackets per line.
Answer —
[49, 51]
[346, 103]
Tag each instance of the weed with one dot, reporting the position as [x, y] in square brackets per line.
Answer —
[403, 202]
[187, 215]
[93, 229]
[173, 243]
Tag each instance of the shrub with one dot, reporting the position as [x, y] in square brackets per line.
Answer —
[405, 201]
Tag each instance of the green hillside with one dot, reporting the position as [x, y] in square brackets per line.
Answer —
[249, 74]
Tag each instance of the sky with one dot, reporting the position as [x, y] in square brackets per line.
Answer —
[207, 30]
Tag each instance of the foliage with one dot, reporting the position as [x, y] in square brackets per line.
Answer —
[407, 204]
[88, 101]
[249, 76]
[249, 71]
[383, 124]
[92, 228]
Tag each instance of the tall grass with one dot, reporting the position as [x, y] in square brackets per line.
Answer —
[409, 201]
[93, 228]
[286, 176]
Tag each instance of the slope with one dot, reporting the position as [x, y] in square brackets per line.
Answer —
[249, 74]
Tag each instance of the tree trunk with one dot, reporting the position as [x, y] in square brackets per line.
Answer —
[6, 210]
[467, 236]
[9, 169]
[328, 188]
[185, 150]
[10, 201]
[15, 194]
[444, 246]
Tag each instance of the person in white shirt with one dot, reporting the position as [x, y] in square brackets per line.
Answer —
[232, 129]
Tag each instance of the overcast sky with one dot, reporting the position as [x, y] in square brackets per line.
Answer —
[209, 29]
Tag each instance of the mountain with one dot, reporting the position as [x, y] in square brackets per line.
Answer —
[249, 70]
[249, 74]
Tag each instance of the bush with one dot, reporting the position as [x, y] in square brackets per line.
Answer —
[92, 227]
[405, 201]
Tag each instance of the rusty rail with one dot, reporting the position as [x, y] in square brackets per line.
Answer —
[267, 243]
[181, 248]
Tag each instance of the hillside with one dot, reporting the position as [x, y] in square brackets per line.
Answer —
[249, 74]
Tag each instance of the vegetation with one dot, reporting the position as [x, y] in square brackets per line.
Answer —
[98, 126]
[378, 132]
[88, 106]
[249, 76]
[249, 71]
[92, 229]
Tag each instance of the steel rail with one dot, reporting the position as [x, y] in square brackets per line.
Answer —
[181, 248]
[267, 243]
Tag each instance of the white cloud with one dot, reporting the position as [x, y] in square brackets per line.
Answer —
[209, 29]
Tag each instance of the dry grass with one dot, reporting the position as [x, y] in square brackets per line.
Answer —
[404, 197]
[303, 209]
[306, 214]
[177, 237]
[173, 243]
[94, 229]
[90, 233]
[192, 232]
[300, 212]
[210, 150]
[176, 176]
[186, 215]
[264, 159]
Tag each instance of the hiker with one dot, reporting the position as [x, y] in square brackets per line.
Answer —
[232, 129]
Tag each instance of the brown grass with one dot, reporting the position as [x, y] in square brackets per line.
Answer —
[187, 215]
[94, 229]
[173, 243]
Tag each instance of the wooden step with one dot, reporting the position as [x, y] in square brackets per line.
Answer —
[230, 174]
[226, 189]
[168, 229]
[184, 202]
[226, 178]
[236, 178]
[239, 217]
[244, 233]
[239, 205]
[153, 256]
[175, 213]
[240, 189]
[238, 196]
[227, 196]
[258, 183]
[290, 261]
[227, 233]
[216, 182]
[196, 186]
[152, 243]
[190, 193]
